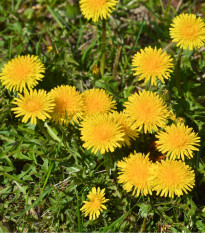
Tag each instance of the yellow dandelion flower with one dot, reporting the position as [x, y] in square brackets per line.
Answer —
[68, 104]
[147, 110]
[97, 101]
[126, 124]
[177, 141]
[95, 70]
[95, 205]
[134, 174]
[49, 49]
[95, 9]
[171, 177]
[188, 31]
[152, 64]
[33, 105]
[22, 72]
[101, 133]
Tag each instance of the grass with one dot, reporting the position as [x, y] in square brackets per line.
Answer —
[47, 174]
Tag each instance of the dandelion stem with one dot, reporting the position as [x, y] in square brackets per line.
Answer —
[177, 70]
[108, 162]
[103, 46]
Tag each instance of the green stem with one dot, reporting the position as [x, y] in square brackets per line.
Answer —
[103, 46]
[177, 70]
[108, 162]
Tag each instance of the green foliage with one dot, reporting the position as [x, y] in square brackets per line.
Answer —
[46, 174]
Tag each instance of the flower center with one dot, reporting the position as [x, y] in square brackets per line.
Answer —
[103, 133]
[153, 64]
[21, 72]
[178, 140]
[32, 106]
[171, 176]
[94, 106]
[64, 104]
[137, 174]
[95, 203]
[146, 110]
[189, 31]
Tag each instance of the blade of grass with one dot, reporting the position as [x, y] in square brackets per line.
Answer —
[17, 4]
[10, 47]
[35, 202]
[48, 174]
[120, 219]
[38, 46]
[55, 16]
[61, 22]
[78, 214]
[80, 36]
[192, 6]
[137, 38]
[148, 8]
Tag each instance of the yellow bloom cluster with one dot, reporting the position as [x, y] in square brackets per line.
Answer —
[103, 128]
[170, 177]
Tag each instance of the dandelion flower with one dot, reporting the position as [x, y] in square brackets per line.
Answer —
[22, 72]
[134, 174]
[171, 177]
[152, 64]
[49, 49]
[188, 31]
[177, 141]
[101, 133]
[95, 9]
[126, 124]
[147, 110]
[33, 105]
[95, 205]
[68, 104]
[97, 101]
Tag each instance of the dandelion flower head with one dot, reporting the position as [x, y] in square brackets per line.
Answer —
[152, 64]
[68, 104]
[171, 177]
[188, 31]
[95, 205]
[134, 174]
[178, 141]
[101, 133]
[147, 110]
[22, 72]
[126, 123]
[97, 101]
[95, 9]
[33, 105]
